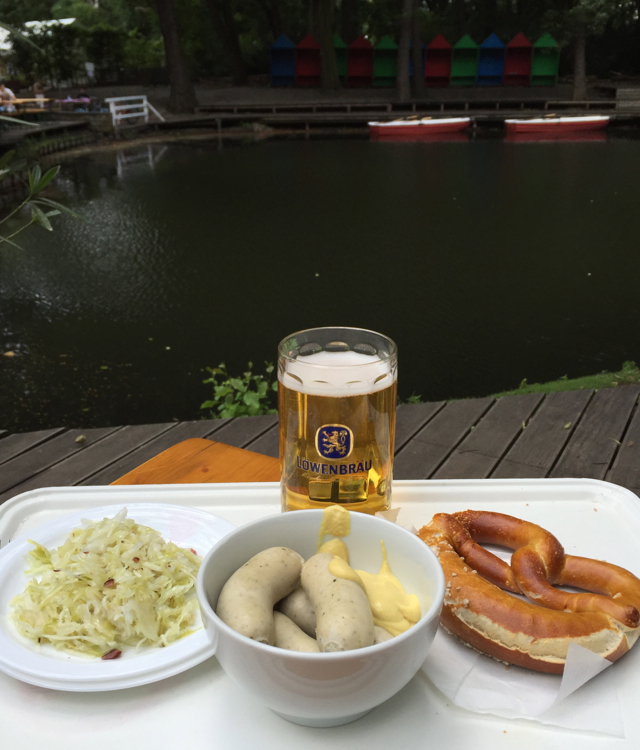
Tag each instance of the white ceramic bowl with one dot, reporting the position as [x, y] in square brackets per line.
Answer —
[324, 690]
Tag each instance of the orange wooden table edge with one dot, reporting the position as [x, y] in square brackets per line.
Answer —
[199, 460]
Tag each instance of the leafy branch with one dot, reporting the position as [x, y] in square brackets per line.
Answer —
[248, 396]
[42, 209]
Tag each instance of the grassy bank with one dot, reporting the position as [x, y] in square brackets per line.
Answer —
[630, 373]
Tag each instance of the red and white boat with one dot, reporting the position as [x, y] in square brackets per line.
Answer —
[419, 128]
[557, 124]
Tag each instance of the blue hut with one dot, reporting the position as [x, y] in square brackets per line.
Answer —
[491, 61]
[283, 62]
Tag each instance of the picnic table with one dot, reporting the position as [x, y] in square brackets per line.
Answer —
[584, 433]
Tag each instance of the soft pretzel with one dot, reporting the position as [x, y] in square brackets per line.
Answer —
[534, 634]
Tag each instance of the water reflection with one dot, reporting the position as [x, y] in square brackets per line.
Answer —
[486, 263]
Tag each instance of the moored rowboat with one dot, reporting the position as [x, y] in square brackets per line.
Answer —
[557, 124]
[419, 127]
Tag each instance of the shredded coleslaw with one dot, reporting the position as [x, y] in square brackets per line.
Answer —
[112, 583]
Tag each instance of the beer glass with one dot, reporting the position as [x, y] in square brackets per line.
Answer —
[337, 405]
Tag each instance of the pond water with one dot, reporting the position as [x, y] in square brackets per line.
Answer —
[487, 261]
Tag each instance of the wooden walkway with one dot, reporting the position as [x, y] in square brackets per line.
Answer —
[593, 434]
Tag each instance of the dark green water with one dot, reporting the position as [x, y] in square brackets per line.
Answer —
[486, 261]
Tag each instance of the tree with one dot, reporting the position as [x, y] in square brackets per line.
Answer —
[225, 25]
[321, 22]
[579, 19]
[182, 98]
[406, 24]
[419, 87]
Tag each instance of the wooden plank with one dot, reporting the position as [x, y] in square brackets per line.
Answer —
[594, 442]
[93, 456]
[132, 456]
[267, 444]
[199, 460]
[545, 436]
[435, 441]
[27, 465]
[410, 418]
[244, 430]
[626, 467]
[13, 445]
[479, 453]
[78, 466]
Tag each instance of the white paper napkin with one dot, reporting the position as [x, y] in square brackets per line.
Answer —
[476, 682]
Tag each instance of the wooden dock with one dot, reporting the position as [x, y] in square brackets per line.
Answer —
[585, 433]
[357, 113]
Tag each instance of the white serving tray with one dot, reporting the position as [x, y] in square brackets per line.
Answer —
[202, 708]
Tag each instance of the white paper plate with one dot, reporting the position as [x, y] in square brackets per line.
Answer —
[47, 667]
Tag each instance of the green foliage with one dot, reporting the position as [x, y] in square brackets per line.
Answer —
[414, 398]
[60, 54]
[105, 46]
[629, 373]
[133, 28]
[142, 51]
[41, 210]
[248, 396]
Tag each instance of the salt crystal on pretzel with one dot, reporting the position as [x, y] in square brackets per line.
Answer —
[534, 634]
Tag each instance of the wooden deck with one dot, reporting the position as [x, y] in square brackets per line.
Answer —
[593, 434]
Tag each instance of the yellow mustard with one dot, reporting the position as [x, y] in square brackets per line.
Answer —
[336, 523]
[393, 609]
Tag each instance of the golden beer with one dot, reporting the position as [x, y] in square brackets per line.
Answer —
[337, 402]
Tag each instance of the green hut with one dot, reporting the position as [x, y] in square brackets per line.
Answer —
[341, 56]
[545, 62]
[385, 62]
[464, 65]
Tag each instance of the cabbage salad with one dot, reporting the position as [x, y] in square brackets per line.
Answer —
[113, 583]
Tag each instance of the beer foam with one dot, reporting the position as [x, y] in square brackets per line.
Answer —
[337, 374]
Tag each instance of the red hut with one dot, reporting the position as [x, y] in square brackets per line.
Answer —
[437, 67]
[517, 64]
[308, 65]
[360, 63]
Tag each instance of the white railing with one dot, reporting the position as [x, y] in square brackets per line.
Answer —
[127, 107]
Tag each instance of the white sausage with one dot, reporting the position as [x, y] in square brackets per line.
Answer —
[297, 607]
[247, 598]
[380, 635]
[289, 636]
[343, 614]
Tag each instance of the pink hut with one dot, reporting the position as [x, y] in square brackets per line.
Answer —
[360, 63]
[517, 63]
[437, 67]
[308, 64]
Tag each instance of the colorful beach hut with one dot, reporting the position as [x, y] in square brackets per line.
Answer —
[385, 62]
[360, 63]
[464, 62]
[283, 62]
[491, 57]
[517, 61]
[308, 64]
[341, 56]
[437, 66]
[545, 62]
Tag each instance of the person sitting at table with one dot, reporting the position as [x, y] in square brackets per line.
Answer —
[39, 89]
[6, 99]
[83, 99]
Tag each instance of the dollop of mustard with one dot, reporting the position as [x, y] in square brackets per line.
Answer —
[392, 608]
[336, 523]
